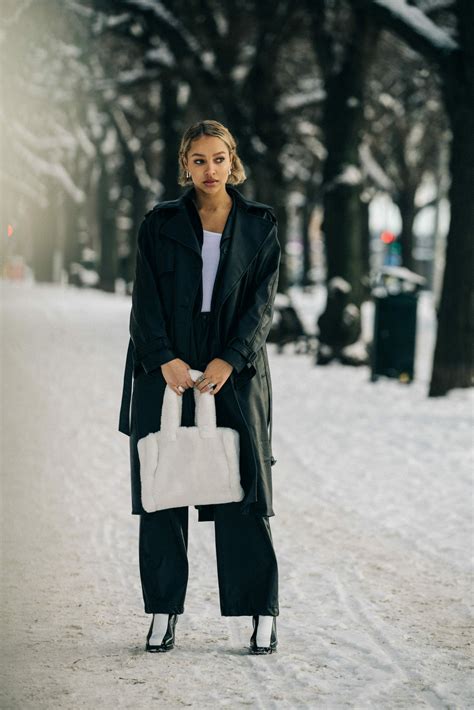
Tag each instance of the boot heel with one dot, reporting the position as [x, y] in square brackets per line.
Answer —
[168, 639]
[263, 650]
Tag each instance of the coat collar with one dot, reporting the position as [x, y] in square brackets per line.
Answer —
[246, 232]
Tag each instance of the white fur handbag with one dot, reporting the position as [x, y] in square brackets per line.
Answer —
[195, 465]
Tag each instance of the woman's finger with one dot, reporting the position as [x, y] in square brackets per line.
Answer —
[187, 380]
[204, 385]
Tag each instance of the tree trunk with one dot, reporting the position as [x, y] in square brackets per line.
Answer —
[453, 364]
[72, 246]
[107, 232]
[170, 123]
[279, 202]
[138, 213]
[344, 225]
[271, 191]
[365, 248]
[43, 246]
[44, 239]
[306, 214]
[406, 205]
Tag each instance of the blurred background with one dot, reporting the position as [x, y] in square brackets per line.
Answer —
[353, 118]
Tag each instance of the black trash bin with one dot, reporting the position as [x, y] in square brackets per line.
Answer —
[395, 293]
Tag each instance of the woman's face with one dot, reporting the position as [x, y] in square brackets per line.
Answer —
[208, 161]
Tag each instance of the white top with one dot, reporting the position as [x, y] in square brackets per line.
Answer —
[210, 262]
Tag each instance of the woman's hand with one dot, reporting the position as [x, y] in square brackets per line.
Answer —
[218, 371]
[176, 372]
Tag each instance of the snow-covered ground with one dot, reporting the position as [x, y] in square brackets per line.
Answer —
[373, 532]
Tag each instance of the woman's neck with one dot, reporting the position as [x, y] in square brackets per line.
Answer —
[212, 203]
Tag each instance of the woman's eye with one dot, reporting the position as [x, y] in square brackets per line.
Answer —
[199, 160]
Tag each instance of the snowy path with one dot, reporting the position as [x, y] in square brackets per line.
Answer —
[372, 531]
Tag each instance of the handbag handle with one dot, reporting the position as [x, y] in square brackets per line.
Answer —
[205, 411]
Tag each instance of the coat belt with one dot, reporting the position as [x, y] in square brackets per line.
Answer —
[124, 419]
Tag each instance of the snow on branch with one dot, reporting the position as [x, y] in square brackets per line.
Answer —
[52, 169]
[59, 138]
[134, 147]
[80, 9]
[412, 25]
[349, 175]
[161, 56]
[419, 23]
[374, 170]
[127, 78]
[161, 13]
[85, 142]
[34, 192]
[18, 11]
[296, 102]
[430, 6]
[176, 35]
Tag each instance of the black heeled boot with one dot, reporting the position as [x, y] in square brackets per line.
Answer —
[260, 650]
[168, 639]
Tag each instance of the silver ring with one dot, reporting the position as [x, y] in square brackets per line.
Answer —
[180, 388]
[212, 384]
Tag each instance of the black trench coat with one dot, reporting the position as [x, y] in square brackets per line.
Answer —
[167, 284]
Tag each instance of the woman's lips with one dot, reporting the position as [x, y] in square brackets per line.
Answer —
[209, 182]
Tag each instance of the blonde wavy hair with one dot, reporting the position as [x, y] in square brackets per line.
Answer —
[210, 128]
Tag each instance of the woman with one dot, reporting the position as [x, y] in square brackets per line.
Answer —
[206, 278]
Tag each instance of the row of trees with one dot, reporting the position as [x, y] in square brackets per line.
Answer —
[334, 99]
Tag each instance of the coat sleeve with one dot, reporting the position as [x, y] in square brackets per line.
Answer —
[254, 325]
[151, 343]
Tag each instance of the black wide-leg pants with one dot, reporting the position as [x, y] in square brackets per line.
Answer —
[247, 567]
[246, 564]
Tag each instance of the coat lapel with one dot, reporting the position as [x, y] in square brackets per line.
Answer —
[180, 229]
[240, 248]
[250, 231]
